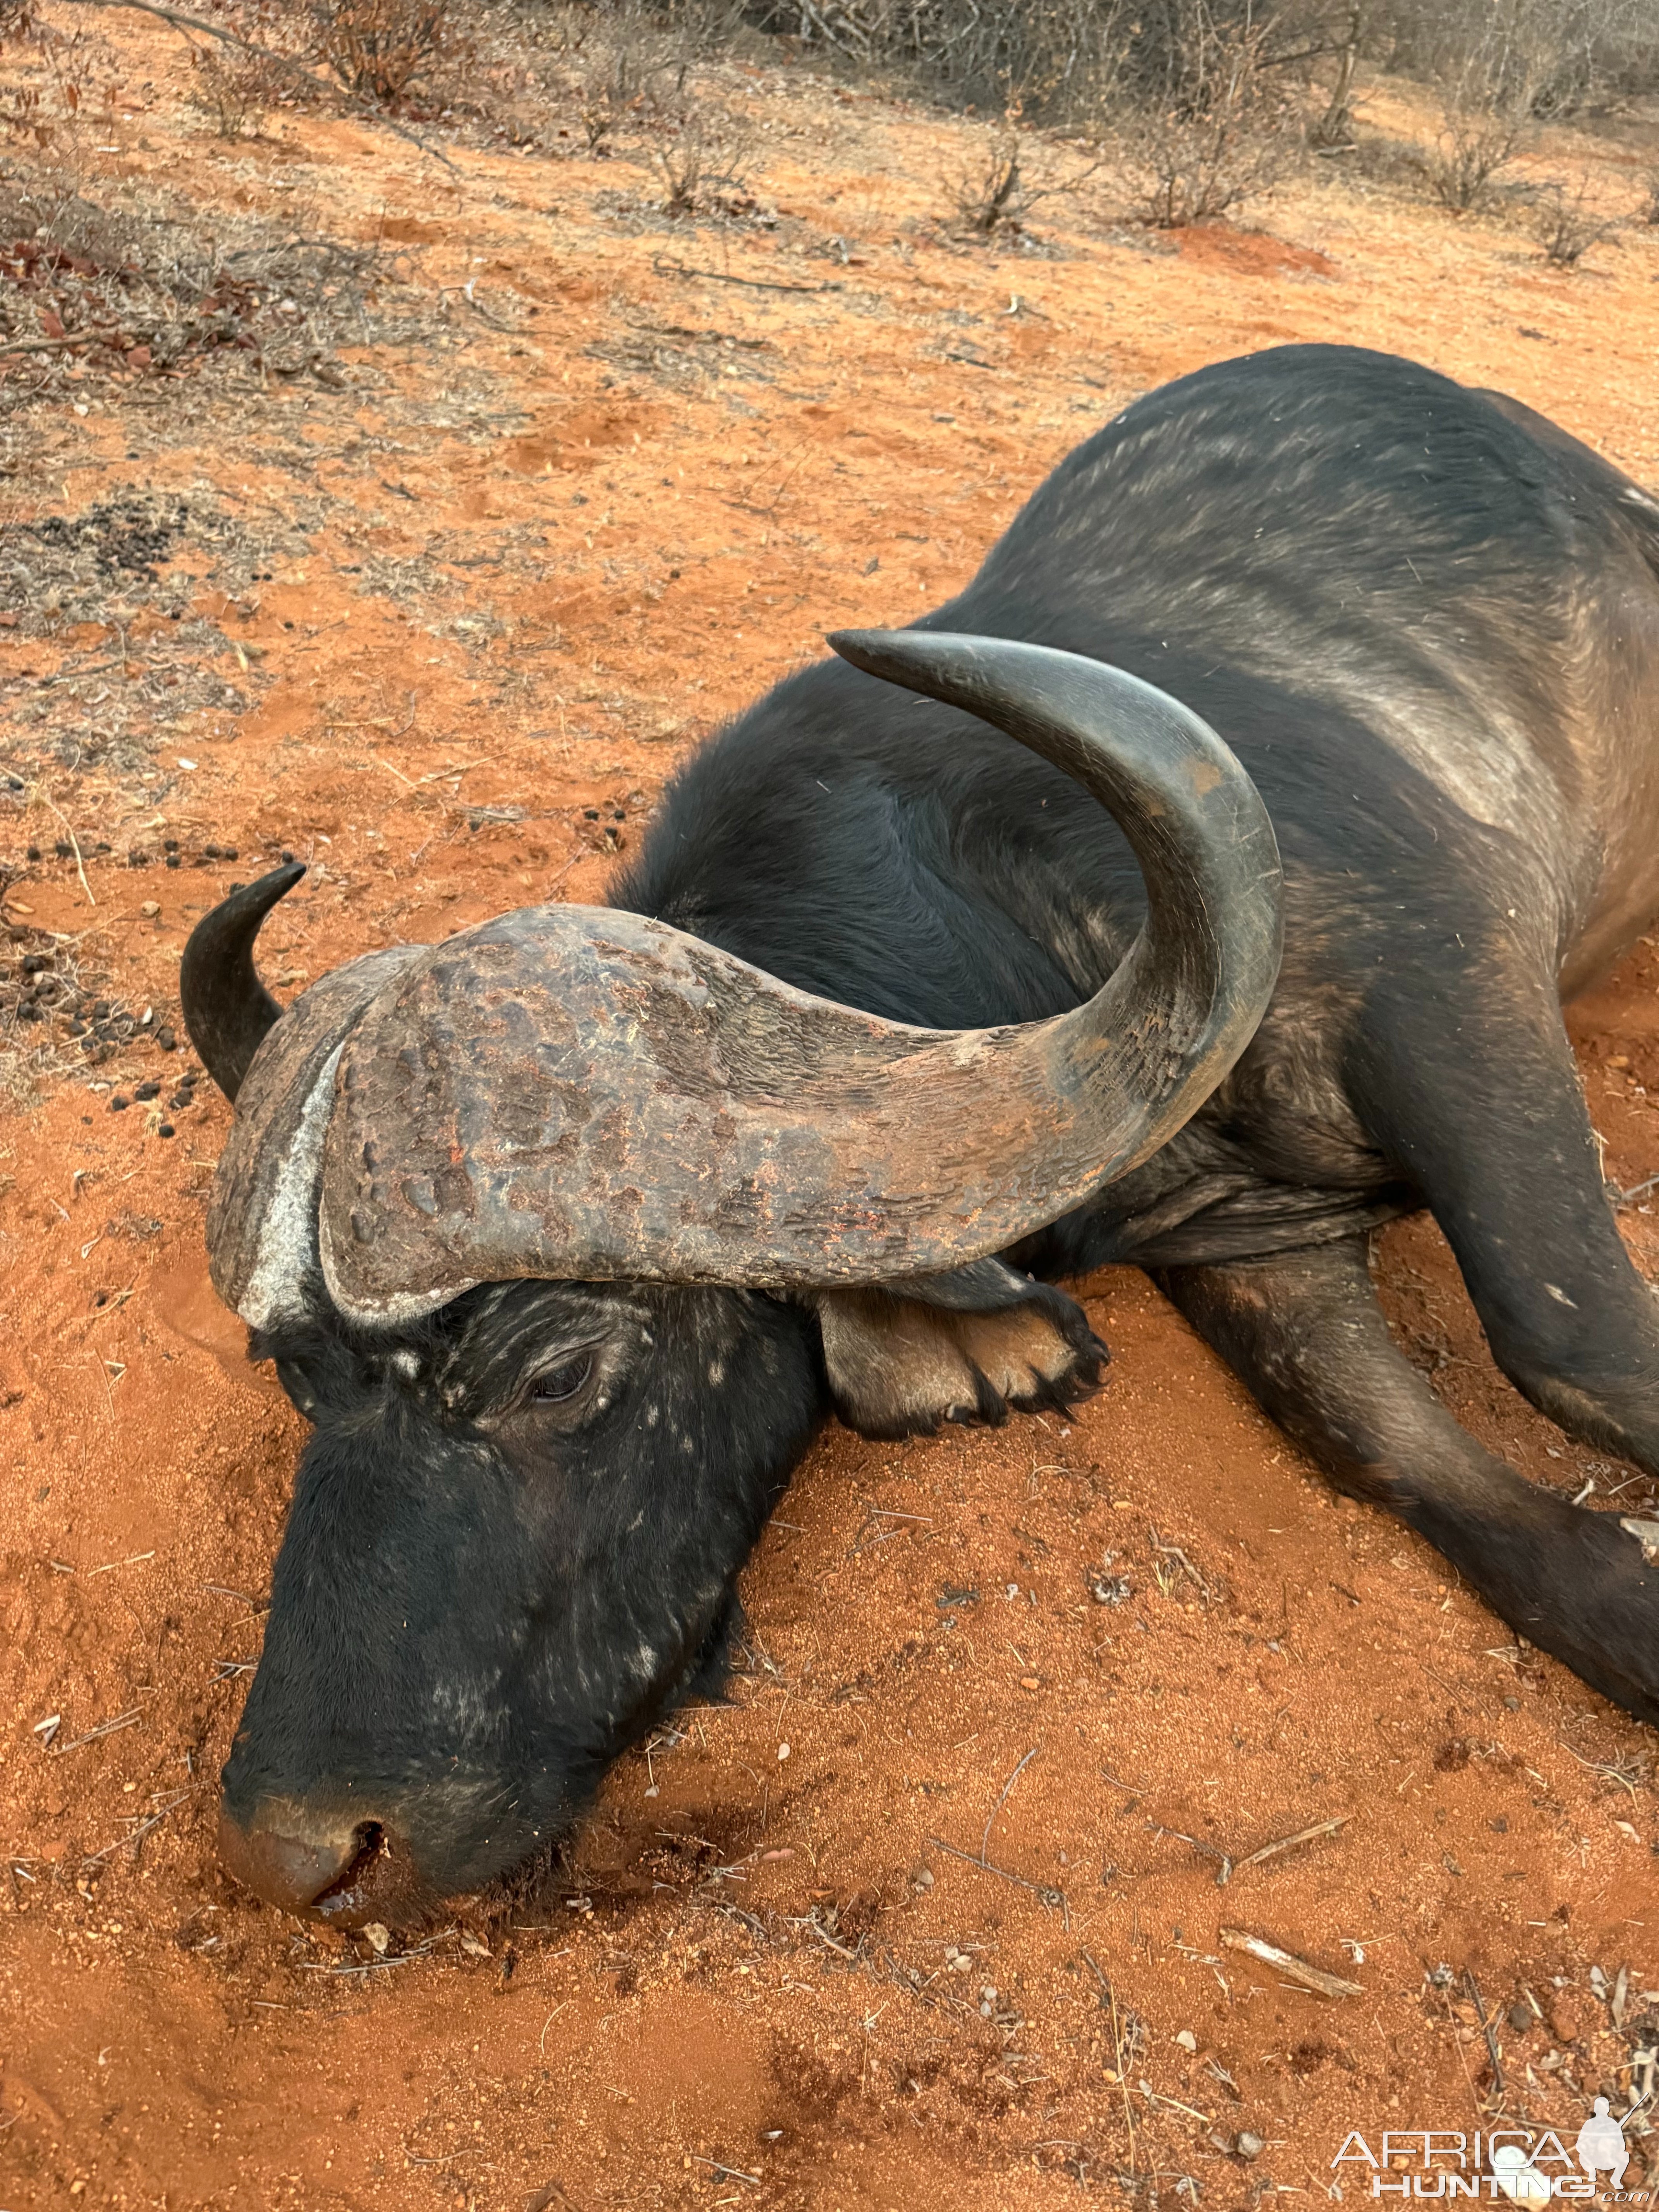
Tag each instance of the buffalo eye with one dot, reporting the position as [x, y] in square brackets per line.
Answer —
[562, 1383]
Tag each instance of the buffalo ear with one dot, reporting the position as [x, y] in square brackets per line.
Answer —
[970, 1345]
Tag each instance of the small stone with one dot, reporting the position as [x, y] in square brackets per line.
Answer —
[922, 1878]
[1187, 2040]
[150, 908]
[119, 1103]
[1565, 2019]
[380, 1937]
[166, 1039]
[1520, 2018]
[147, 1091]
[472, 1946]
[172, 860]
[783, 1752]
[1249, 2146]
[166, 1129]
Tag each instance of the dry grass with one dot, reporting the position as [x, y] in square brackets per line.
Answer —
[137, 289]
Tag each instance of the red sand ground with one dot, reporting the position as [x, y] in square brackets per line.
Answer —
[535, 562]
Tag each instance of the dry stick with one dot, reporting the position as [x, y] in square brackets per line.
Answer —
[80, 868]
[734, 2173]
[714, 275]
[1198, 1845]
[1287, 1843]
[985, 1840]
[1286, 1962]
[366, 108]
[104, 1727]
[1117, 2056]
[53, 345]
[1049, 1897]
[1487, 2029]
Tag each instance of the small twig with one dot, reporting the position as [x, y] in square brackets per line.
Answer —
[1286, 1962]
[1198, 1845]
[1117, 2056]
[732, 2172]
[985, 1840]
[1487, 2029]
[1637, 1190]
[1175, 1552]
[1289, 1842]
[1156, 2097]
[56, 346]
[750, 283]
[1600, 1766]
[79, 865]
[824, 1937]
[104, 1727]
[1050, 1896]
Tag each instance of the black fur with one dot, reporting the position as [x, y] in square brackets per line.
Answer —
[1428, 623]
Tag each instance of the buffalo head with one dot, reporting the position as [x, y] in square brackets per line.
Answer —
[565, 1233]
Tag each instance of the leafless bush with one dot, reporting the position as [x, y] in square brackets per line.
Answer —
[1578, 53]
[992, 191]
[381, 49]
[238, 88]
[1228, 130]
[702, 156]
[1010, 172]
[1569, 223]
[626, 63]
[1490, 62]
[1058, 57]
[1473, 146]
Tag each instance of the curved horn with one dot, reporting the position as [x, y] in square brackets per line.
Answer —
[587, 1094]
[227, 1008]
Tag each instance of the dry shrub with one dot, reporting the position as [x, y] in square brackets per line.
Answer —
[237, 87]
[381, 49]
[1492, 65]
[702, 156]
[1568, 224]
[998, 187]
[1473, 145]
[1650, 209]
[1227, 130]
[992, 192]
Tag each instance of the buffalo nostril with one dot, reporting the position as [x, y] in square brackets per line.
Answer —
[295, 1865]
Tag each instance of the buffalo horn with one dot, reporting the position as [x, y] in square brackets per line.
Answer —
[227, 1009]
[585, 1094]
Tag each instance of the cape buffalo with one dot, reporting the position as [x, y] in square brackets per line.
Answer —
[566, 1233]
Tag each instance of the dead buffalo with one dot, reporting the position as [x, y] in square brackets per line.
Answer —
[566, 1233]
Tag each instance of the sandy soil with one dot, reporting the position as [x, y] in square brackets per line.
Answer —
[439, 618]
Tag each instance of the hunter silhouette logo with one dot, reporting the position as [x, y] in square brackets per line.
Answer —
[1602, 2144]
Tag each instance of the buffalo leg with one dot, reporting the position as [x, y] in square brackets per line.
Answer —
[1497, 1137]
[1305, 1333]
